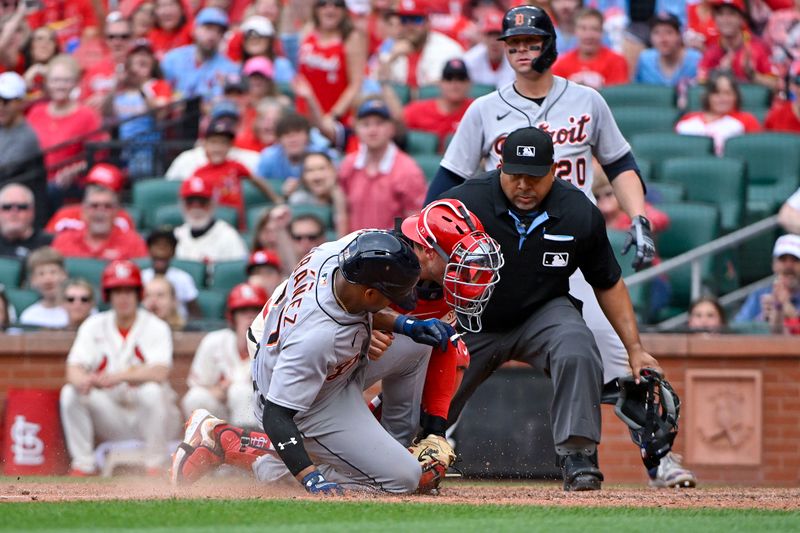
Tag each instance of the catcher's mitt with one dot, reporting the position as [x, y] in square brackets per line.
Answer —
[435, 456]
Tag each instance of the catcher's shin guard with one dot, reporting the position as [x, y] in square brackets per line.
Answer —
[197, 454]
[241, 448]
[432, 475]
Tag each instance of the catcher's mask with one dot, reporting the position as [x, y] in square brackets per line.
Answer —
[651, 410]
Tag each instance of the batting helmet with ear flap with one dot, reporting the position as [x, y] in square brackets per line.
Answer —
[121, 274]
[650, 409]
[532, 20]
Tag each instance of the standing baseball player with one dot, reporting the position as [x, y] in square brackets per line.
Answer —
[459, 269]
[581, 126]
[117, 369]
[309, 371]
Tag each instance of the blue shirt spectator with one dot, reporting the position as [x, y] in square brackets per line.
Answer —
[284, 159]
[783, 296]
[668, 62]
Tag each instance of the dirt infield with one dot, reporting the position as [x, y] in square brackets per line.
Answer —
[474, 493]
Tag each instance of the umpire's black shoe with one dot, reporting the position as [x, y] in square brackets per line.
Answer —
[580, 472]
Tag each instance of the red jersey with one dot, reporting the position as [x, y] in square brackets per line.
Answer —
[704, 26]
[163, 41]
[226, 178]
[101, 78]
[425, 115]
[52, 130]
[753, 53]
[19, 67]
[606, 68]
[69, 19]
[119, 245]
[781, 117]
[69, 218]
[325, 68]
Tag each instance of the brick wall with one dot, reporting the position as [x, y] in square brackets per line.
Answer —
[37, 360]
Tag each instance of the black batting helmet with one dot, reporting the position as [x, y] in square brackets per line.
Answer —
[532, 20]
[380, 260]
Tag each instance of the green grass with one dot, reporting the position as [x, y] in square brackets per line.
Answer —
[236, 516]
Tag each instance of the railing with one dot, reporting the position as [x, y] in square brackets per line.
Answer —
[695, 257]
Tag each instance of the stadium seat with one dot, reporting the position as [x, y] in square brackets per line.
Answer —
[659, 192]
[212, 303]
[639, 94]
[403, 92]
[21, 299]
[633, 120]
[322, 212]
[421, 142]
[645, 169]
[429, 163]
[149, 195]
[773, 167]
[85, 267]
[253, 214]
[287, 89]
[226, 274]
[10, 272]
[754, 97]
[639, 292]
[713, 180]
[478, 89]
[691, 225]
[170, 215]
[136, 215]
[659, 147]
[426, 92]
[196, 269]
[253, 196]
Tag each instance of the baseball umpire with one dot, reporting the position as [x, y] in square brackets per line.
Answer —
[581, 126]
[547, 229]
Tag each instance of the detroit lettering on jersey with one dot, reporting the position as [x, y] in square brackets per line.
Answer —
[576, 117]
[311, 347]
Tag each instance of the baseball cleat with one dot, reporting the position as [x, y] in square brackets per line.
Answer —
[197, 454]
[671, 474]
[580, 472]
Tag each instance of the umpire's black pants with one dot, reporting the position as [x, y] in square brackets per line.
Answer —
[556, 339]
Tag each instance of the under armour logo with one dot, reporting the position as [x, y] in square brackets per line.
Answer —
[283, 445]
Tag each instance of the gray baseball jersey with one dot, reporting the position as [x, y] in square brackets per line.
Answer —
[311, 348]
[576, 116]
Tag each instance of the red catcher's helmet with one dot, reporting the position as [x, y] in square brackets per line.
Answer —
[106, 175]
[473, 259]
[118, 274]
[246, 295]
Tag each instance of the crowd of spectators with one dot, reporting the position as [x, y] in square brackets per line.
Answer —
[313, 105]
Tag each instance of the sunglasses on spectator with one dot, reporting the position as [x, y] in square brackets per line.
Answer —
[82, 299]
[15, 207]
[412, 19]
[308, 237]
[101, 205]
[118, 36]
[455, 78]
[335, 3]
[197, 200]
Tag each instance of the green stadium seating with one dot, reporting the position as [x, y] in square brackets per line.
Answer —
[403, 92]
[149, 195]
[633, 120]
[421, 142]
[226, 274]
[645, 169]
[754, 97]
[639, 94]
[253, 214]
[639, 292]
[660, 147]
[666, 191]
[10, 272]
[195, 269]
[322, 212]
[212, 303]
[286, 88]
[713, 180]
[136, 215]
[426, 92]
[773, 167]
[429, 163]
[21, 299]
[477, 90]
[170, 215]
[85, 267]
[252, 195]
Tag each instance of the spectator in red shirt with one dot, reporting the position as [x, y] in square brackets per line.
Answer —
[721, 117]
[263, 128]
[59, 120]
[441, 115]
[100, 238]
[101, 78]
[591, 63]
[75, 20]
[784, 115]
[738, 49]
[70, 217]
[701, 30]
[141, 13]
[381, 181]
[173, 25]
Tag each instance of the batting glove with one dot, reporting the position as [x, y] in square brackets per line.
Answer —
[640, 235]
[315, 483]
[432, 332]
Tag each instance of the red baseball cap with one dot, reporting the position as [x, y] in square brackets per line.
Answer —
[106, 175]
[492, 22]
[196, 187]
[263, 258]
[736, 4]
[411, 7]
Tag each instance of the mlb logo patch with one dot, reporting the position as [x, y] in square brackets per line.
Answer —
[526, 151]
[555, 259]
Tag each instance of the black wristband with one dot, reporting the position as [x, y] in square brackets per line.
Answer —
[432, 425]
[279, 426]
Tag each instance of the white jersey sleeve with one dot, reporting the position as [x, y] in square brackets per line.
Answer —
[466, 148]
[85, 352]
[206, 370]
[153, 339]
[608, 144]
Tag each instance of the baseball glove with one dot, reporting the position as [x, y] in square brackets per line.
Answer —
[435, 456]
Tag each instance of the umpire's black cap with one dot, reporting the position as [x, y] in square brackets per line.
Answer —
[528, 151]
